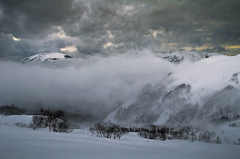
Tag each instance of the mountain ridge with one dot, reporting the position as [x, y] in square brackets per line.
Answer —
[44, 57]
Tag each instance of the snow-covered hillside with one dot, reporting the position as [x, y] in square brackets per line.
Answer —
[207, 90]
[43, 57]
[17, 142]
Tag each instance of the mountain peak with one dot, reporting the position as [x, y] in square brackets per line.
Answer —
[43, 57]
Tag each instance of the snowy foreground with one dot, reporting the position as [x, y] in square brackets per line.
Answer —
[25, 143]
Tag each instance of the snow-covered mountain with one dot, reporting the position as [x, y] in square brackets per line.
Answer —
[44, 57]
[178, 57]
[208, 90]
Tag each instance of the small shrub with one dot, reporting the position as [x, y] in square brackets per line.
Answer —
[218, 140]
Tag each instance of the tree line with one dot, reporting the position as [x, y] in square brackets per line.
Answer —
[155, 132]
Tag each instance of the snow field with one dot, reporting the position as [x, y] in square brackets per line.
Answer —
[25, 143]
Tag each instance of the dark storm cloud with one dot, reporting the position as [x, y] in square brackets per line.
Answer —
[35, 18]
[226, 33]
[134, 24]
[16, 50]
[215, 49]
[7, 46]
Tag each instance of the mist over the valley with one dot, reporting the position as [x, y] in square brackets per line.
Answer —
[95, 85]
[98, 85]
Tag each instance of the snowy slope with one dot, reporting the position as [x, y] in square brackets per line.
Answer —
[111, 117]
[28, 144]
[13, 119]
[43, 57]
[204, 91]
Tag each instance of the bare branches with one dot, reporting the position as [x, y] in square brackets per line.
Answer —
[52, 120]
[108, 130]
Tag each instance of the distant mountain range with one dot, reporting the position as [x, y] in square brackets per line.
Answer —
[174, 57]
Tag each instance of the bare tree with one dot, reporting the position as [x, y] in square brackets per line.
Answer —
[52, 120]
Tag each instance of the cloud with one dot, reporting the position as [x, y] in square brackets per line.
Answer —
[7, 47]
[1, 12]
[95, 85]
[226, 33]
[32, 19]
[215, 49]
[137, 24]
[15, 39]
[69, 49]
[18, 49]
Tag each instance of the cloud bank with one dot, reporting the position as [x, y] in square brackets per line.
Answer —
[96, 85]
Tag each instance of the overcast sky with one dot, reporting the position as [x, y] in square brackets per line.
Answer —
[88, 27]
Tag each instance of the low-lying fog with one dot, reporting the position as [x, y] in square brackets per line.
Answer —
[97, 85]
